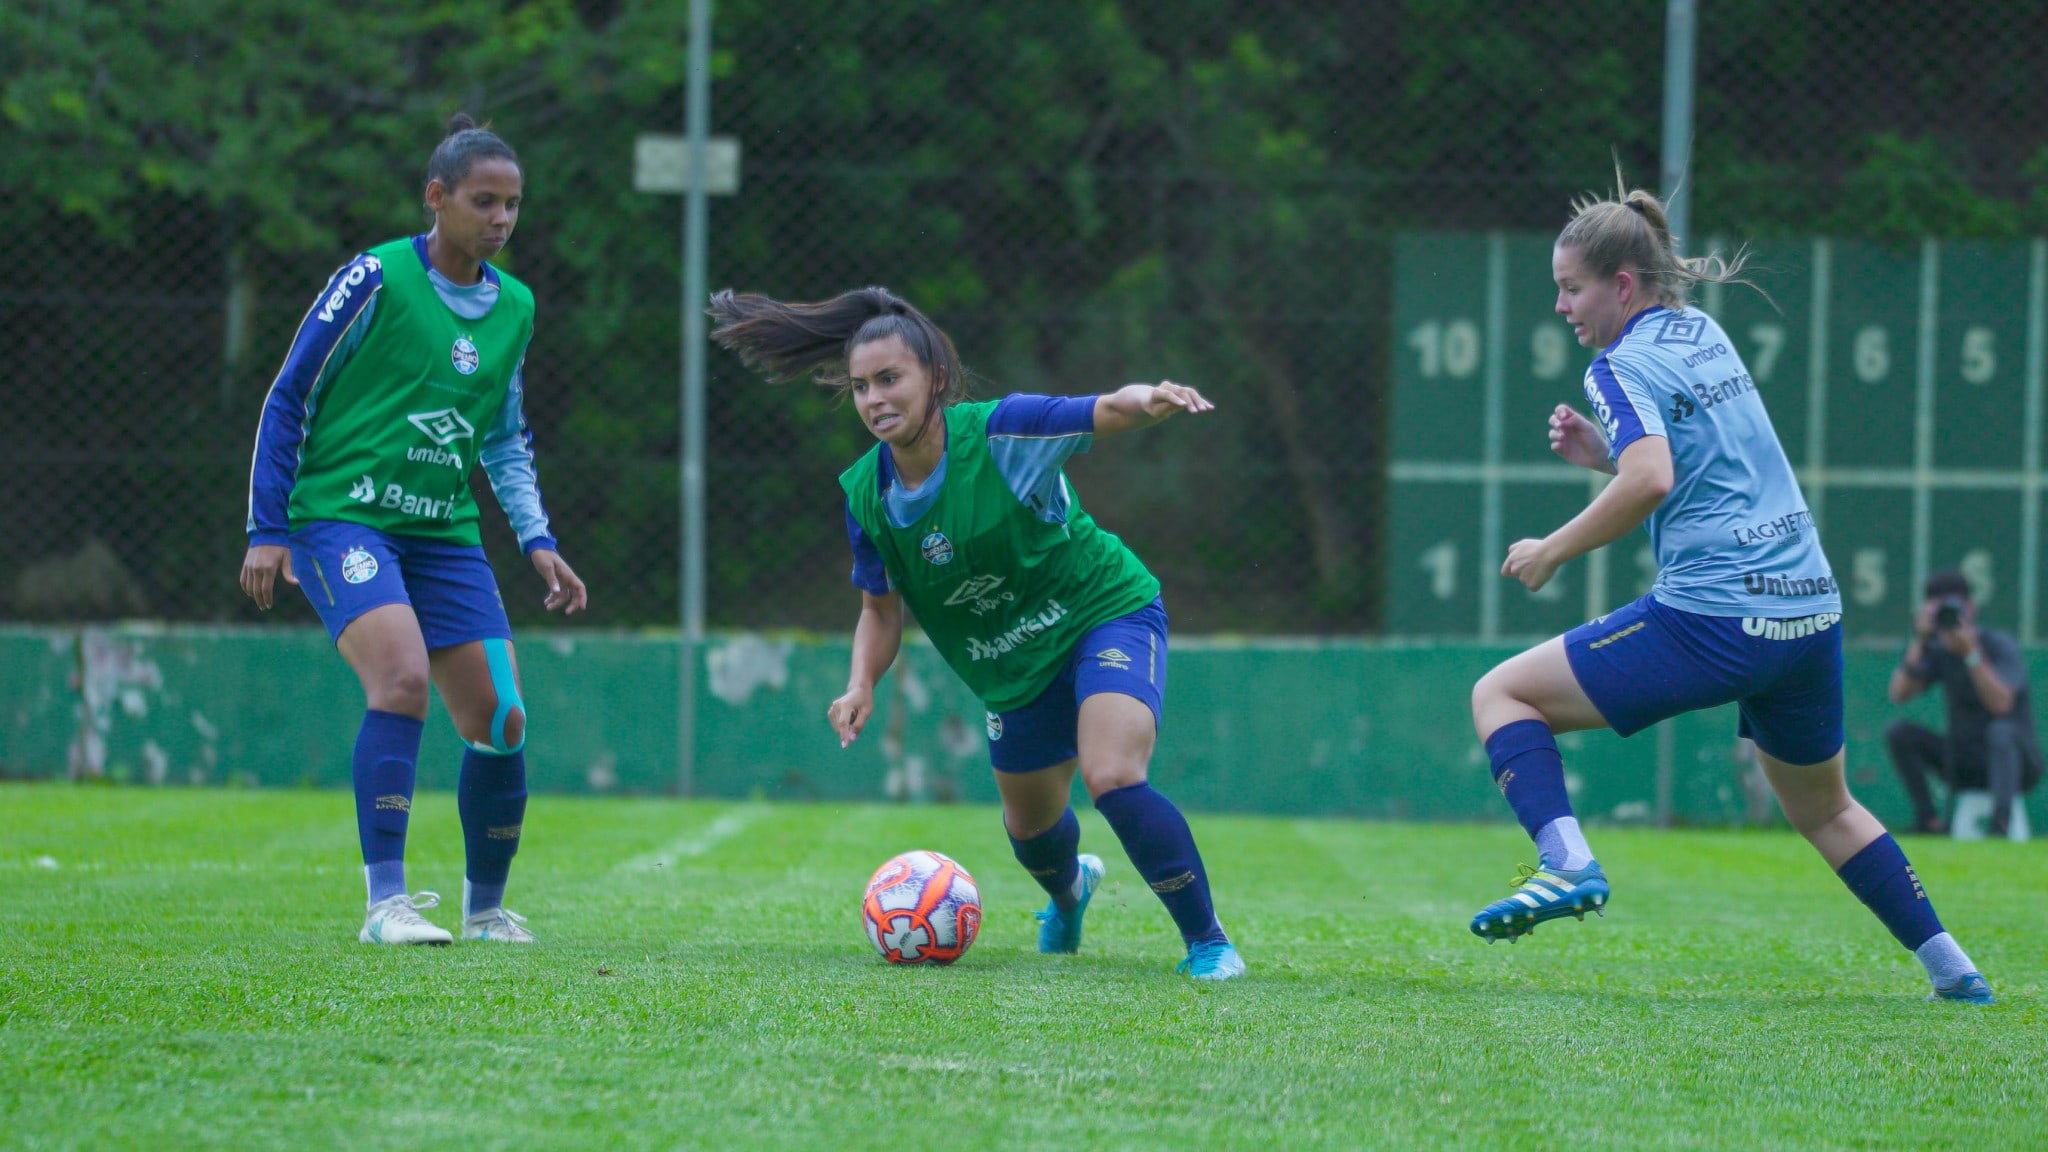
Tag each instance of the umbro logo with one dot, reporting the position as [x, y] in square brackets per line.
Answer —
[444, 427]
[1682, 330]
[1114, 658]
[394, 803]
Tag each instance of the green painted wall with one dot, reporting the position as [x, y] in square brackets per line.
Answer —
[1337, 727]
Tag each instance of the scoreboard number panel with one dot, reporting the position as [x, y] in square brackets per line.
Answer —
[1905, 382]
[1773, 334]
[1544, 365]
[1980, 362]
[1875, 319]
[1973, 532]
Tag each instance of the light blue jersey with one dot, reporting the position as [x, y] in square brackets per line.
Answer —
[1734, 537]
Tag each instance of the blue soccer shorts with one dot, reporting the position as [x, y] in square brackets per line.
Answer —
[346, 570]
[1647, 662]
[1127, 655]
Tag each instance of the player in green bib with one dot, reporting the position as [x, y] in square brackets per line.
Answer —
[962, 512]
[404, 376]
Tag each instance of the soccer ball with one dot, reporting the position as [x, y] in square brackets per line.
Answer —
[921, 908]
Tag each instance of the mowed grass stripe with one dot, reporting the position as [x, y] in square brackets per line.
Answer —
[187, 976]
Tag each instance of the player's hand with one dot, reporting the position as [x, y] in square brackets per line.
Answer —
[565, 588]
[260, 566]
[1530, 562]
[1168, 398]
[1577, 439]
[849, 714]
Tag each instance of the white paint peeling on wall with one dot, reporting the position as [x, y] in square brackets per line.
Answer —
[745, 664]
[112, 671]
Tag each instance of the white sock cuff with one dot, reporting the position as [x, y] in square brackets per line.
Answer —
[1944, 959]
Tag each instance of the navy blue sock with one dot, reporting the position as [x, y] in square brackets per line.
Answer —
[491, 796]
[1157, 839]
[1881, 877]
[1530, 773]
[1051, 858]
[387, 750]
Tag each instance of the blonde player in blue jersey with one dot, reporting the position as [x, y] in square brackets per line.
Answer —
[1744, 609]
[962, 513]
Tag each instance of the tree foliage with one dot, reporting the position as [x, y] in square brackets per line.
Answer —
[1083, 191]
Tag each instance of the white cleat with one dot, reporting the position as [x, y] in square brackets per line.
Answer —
[397, 920]
[500, 924]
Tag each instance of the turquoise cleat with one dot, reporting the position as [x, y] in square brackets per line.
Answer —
[1969, 988]
[1546, 894]
[1061, 931]
[1211, 960]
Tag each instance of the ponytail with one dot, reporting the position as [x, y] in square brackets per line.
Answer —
[783, 341]
[1632, 231]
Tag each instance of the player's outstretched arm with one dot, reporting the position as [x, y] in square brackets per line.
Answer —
[1642, 480]
[1135, 406]
[876, 640]
[1578, 440]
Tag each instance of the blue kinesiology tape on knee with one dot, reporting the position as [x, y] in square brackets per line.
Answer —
[498, 654]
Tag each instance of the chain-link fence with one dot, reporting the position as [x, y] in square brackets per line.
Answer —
[1082, 193]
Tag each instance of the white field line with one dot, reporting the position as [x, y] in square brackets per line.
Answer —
[696, 843]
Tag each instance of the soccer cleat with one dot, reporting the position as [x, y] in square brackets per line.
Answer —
[501, 924]
[397, 920]
[1969, 988]
[1061, 931]
[1546, 894]
[1211, 960]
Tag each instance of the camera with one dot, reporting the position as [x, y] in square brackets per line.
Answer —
[1949, 614]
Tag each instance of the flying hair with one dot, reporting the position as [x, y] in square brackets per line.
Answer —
[465, 143]
[783, 341]
[1631, 231]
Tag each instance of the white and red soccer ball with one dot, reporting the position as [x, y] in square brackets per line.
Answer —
[921, 908]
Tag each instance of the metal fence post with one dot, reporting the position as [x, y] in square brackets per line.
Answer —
[697, 123]
[1680, 26]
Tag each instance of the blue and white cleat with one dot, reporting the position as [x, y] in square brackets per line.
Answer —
[1061, 931]
[1211, 960]
[1546, 894]
[1969, 988]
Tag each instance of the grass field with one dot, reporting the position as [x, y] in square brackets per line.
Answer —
[187, 976]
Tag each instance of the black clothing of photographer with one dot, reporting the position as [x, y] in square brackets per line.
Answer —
[1990, 744]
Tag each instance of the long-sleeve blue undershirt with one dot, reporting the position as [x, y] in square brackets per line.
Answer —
[333, 329]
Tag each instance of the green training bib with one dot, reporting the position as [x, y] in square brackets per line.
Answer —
[1003, 595]
[393, 436]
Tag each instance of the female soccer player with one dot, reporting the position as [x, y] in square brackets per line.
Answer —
[359, 494]
[962, 511]
[1744, 608]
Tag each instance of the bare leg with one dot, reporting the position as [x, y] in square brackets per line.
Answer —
[1816, 800]
[1035, 801]
[1536, 685]
[389, 657]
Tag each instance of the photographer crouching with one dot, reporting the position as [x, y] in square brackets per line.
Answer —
[1990, 744]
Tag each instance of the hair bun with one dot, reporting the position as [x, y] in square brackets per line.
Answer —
[460, 122]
